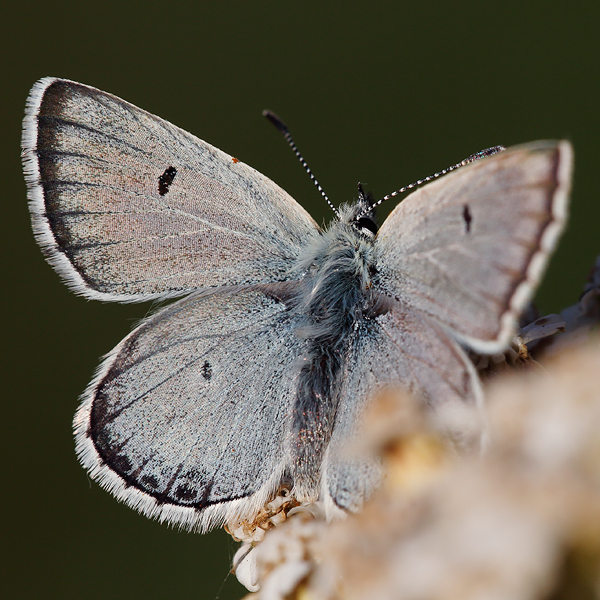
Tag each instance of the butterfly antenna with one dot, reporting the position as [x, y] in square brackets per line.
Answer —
[286, 134]
[474, 157]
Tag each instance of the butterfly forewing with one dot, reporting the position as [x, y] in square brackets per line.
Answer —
[187, 418]
[469, 248]
[129, 207]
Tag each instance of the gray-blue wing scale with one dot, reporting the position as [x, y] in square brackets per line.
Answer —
[469, 249]
[400, 349]
[187, 418]
[128, 207]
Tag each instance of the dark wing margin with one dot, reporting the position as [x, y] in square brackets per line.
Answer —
[470, 248]
[187, 417]
[128, 207]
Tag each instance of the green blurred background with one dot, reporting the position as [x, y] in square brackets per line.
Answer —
[382, 92]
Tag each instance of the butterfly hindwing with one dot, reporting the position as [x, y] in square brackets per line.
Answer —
[187, 418]
[400, 349]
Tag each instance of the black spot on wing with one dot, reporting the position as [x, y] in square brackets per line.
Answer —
[149, 481]
[166, 179]
[467, 217]
[185, 493]
[206, 370]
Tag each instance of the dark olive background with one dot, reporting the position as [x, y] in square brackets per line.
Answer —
[383, 93]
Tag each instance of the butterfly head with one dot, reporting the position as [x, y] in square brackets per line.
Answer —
[363, 218]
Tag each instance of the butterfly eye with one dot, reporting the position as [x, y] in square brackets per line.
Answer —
[368, 224]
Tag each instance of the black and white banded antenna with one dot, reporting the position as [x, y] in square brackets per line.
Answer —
[474, 157]
[286, 134]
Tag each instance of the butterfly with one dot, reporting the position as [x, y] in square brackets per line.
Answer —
[257, 378]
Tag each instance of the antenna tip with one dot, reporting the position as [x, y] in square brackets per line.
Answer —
[276, 121]
[483, 153]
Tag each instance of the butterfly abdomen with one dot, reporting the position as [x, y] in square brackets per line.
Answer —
[335, 296]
